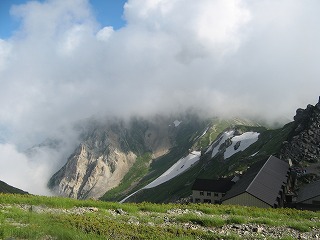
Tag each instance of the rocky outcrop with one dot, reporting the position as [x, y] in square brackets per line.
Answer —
[107, 152]
[96, 166]
[87, 175]
[304, 142]
[159, 137]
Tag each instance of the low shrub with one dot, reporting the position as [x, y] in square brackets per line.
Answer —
[236, 220]
[299, 226]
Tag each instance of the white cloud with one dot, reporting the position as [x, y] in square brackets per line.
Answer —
[199, 28]
[4, 54]
[19, 171]
[236, 57]
[105, 33]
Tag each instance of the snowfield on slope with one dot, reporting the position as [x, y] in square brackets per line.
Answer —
[176, 169]
[221, 140]
[245, 139]
[183, 164]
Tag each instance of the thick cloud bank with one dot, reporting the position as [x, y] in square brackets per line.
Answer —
[235, 57]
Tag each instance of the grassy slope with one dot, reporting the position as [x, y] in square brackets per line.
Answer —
[268, 144]
[184, 140]
[34, 217]
[180, 186]
[142, 173]
[5, 188]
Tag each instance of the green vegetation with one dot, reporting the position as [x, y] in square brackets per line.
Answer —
[184, 138]
[217, 126]
[34, 217]
[269, 143]
[5, 188]
[136, 172]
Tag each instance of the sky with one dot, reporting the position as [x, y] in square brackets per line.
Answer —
[106, 12]
[64, 61]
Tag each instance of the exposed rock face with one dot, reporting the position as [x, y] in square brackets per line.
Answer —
[97, 165]
[87, 175]
[304, 144]
[106, 154]
[159, 138]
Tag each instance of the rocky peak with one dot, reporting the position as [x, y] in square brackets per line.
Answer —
[106, 153]
[96, 166]
[318, 104]
[304, 142]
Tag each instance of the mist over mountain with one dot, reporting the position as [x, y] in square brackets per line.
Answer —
[255, 60]
[5, 188]
[133, 160]
[109, 150]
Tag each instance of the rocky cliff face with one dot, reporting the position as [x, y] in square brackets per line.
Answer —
[89, 175]
[107, 152]
[304, 142]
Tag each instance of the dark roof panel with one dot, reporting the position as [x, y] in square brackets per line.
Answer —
[220, 185]
[264, 183]
[309, 191]
[245, 180]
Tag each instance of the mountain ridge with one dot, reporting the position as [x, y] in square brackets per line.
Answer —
[6, 188]
[109, 150]
[150, 147]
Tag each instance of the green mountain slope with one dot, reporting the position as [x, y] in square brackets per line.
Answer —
[207, 167]
[298, 141]
[145, 171]
[191, 136]
[5, 188]
[227, 147]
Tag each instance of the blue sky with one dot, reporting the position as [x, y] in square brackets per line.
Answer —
[107, 13]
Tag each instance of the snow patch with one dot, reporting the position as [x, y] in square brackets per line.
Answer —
[183, 164]
[177, 123]
[221, 140]
[176, 169]
[254, 154]
[245, 139]
[205, 131]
